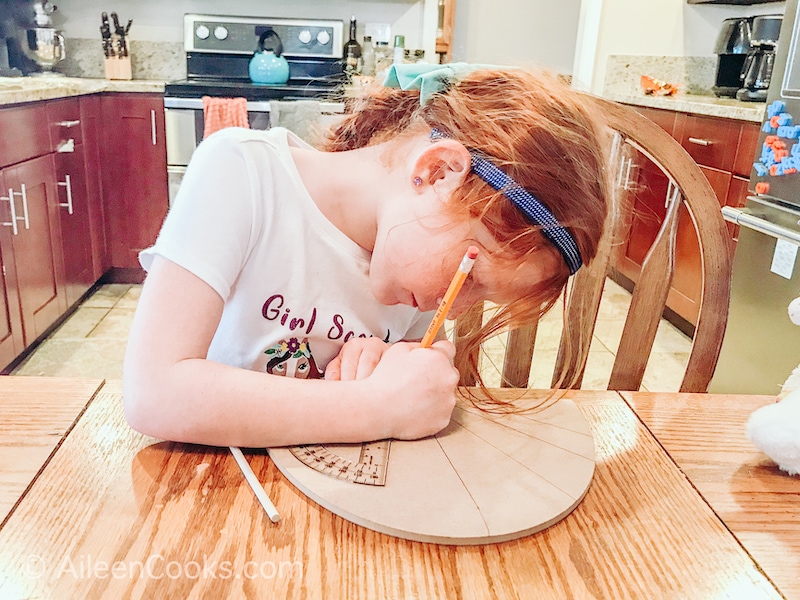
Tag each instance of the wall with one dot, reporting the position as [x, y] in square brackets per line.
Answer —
[653, 28]
[162, 20]
[517, 32]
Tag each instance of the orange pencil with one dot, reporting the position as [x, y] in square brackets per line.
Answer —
[450, 295]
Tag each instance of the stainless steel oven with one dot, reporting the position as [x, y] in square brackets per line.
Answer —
[218, 51]
[761, 345]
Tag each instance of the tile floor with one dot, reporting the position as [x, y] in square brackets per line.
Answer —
[91, 343]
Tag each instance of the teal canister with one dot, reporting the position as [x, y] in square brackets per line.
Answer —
[267, 65]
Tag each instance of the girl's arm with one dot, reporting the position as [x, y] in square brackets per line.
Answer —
[171, 391]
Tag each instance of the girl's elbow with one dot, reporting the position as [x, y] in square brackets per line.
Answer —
[142, 410]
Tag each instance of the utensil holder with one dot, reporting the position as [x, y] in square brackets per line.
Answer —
[118, 67]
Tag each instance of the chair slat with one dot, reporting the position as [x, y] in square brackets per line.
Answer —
[647, 305]
[519, 356]
[652, 287]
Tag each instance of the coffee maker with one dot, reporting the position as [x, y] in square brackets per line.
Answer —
[757, 69]
[732, 47]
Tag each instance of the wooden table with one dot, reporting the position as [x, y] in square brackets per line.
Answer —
[114, 514]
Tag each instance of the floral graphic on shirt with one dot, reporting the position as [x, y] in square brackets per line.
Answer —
[292, 358]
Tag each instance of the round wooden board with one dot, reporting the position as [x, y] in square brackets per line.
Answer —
[484, 479]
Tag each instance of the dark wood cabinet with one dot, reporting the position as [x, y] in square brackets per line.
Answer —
[72, 197]
[134, 175]
[724, 150]
[36, 245]
[11, 340]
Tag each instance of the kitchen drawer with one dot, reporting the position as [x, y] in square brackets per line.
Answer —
[23, 133]
[711, 142]
[663, 118]
[64, 123]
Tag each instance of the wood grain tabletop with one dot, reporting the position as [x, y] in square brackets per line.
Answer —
[759, 503]
[35, 415]
[115, 514]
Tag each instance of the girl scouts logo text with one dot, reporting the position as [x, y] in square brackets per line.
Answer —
[274, 310]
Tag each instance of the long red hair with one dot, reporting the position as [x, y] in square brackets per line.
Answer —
[539, 131]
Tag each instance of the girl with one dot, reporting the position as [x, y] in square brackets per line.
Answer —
[335, 260]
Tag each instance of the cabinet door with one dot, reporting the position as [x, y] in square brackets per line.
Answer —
[11, 341]
[37, 245]
[91, 128]
[134, 160]
[73, 213]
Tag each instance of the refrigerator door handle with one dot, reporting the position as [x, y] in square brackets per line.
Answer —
[745, 219]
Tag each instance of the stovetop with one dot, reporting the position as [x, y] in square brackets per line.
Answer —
[229, 88]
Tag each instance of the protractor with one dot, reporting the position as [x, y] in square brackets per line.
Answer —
[369, 469]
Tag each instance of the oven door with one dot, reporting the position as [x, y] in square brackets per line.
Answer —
[185, 125]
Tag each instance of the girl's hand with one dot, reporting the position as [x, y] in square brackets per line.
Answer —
[416, 388]
[356, 360]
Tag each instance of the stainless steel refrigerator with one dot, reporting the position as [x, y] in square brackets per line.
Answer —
[761, 346]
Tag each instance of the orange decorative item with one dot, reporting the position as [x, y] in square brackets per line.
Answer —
[762, 187]
[656, 87]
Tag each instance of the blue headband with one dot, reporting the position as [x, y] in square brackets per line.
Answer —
[534, 211]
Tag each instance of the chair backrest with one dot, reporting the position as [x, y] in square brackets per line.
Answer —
[689, 188]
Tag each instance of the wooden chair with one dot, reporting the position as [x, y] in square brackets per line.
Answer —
[690, 188]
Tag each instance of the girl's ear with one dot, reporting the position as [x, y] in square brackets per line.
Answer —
[443, 165]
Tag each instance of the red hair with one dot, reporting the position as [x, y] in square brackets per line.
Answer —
[540, 132]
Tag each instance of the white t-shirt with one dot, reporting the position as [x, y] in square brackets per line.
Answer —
[295, 287]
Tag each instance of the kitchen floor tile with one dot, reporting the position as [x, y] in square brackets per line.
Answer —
[79, 325]
[116, 325]
[98, 358]
[107, 295]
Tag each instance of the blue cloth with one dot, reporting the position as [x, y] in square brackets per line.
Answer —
[429, 79]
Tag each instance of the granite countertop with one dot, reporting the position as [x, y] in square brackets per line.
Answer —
[16, 90]
[712, 106]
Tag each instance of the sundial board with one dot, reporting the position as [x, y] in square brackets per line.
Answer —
[483, 479]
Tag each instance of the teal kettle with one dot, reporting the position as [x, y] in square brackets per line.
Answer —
[267, 65]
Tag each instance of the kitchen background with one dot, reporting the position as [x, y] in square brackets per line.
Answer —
[574, 37]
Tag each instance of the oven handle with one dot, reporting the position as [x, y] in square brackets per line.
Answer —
[252, 106]
[745, 219]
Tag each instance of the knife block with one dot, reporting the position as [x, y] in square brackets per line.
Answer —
[118, 67]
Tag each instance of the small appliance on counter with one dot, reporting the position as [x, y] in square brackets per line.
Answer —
[732, 48]
[757, 69]
[43, 44]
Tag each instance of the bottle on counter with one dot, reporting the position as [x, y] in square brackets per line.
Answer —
[383, 59]
[368, 62]
[352, 50]
[399, 49]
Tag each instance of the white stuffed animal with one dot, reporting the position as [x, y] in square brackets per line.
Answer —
[775, 428]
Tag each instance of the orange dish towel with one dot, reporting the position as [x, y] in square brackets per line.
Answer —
[223, 112]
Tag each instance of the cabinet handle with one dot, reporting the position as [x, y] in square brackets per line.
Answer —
[700, 142]
[68, 123]
[13, 222]
[153, 125]
[24, 204]
[67, 183]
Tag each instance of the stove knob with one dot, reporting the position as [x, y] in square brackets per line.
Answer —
[220, 32]
[304, 36]
[202, 32]
[323, 37]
